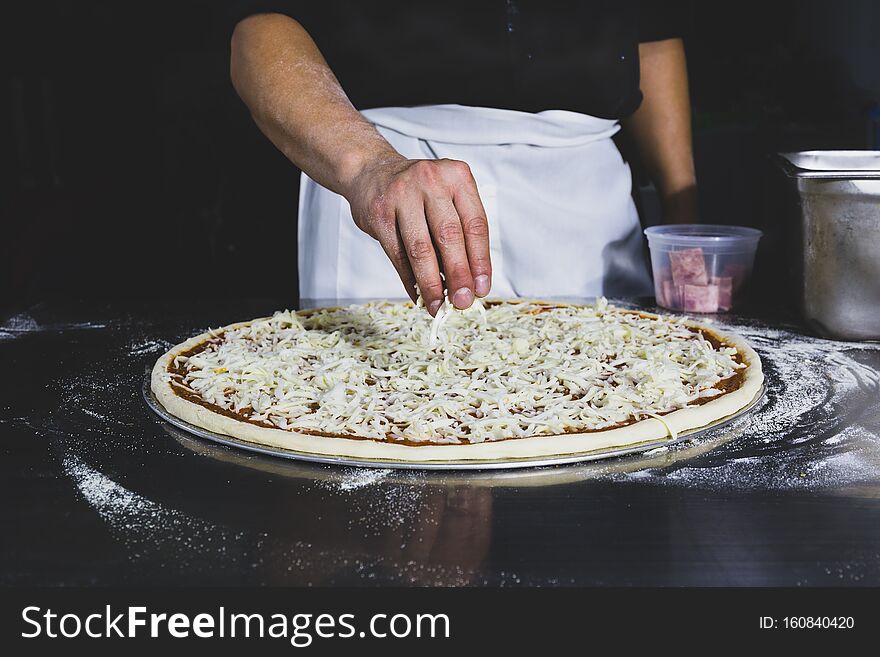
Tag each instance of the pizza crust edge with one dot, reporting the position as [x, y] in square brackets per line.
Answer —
[644, 431]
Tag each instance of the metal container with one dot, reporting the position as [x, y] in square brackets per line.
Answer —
[838, 251]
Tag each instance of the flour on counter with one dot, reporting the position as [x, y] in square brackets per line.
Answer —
[347, 479]
[20, 323]
[117, 505]
[142, 347]
[97, 416]
[379, 501]
[24, 323]
[360, 477]
[148, 528]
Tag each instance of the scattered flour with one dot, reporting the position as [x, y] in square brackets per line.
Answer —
[97, 416]
[20, 323]
[114, 503]
[148, 528]
[24, 323]
[360, 477]
[142, 347]
[379, 503]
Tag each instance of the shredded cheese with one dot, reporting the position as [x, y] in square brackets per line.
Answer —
[388, 371]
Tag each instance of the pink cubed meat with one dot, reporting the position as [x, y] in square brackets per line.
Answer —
[688, 267]
[725, 292]
[700, 298]
[737, 272]
[670, 295]
[660, 292]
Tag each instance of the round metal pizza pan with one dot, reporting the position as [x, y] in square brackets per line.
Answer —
[593, 455]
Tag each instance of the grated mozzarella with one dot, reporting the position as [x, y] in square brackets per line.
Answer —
[388, 371]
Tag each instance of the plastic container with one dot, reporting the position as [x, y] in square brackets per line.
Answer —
[701, 268]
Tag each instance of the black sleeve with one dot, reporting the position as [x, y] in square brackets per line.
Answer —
[669, 19]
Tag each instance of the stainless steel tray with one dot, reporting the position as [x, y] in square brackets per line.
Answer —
[835, 240]
[593, 455]
[850, 165]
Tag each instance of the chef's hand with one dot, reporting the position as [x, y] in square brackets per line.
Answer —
[428, 217]
[426, 214]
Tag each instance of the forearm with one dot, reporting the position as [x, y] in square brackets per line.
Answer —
[298, 103]
[426, 214]
[661, 127]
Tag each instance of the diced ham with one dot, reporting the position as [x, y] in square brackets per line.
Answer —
[737, 272]
[660, 293]
[700, 298]
[661, 274]
[671, 296]
[688, 267]
[725, 291]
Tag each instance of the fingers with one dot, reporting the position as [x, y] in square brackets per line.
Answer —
[395, 249]
[476, 233]
[446, 229]
[383, 228]
[428, 216]
[419, 250]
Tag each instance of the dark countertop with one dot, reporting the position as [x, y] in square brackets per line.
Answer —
[100, 491]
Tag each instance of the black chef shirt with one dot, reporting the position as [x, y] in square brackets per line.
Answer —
[528, 55]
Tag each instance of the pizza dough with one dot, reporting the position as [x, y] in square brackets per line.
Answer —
[513, 380]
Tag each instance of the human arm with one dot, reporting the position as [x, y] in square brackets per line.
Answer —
[417, 209]
[661, 128]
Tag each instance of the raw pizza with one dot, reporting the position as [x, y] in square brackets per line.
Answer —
[501, 380]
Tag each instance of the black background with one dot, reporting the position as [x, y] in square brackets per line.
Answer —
[128, 162]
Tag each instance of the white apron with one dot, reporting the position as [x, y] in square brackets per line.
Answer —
[556, 191]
